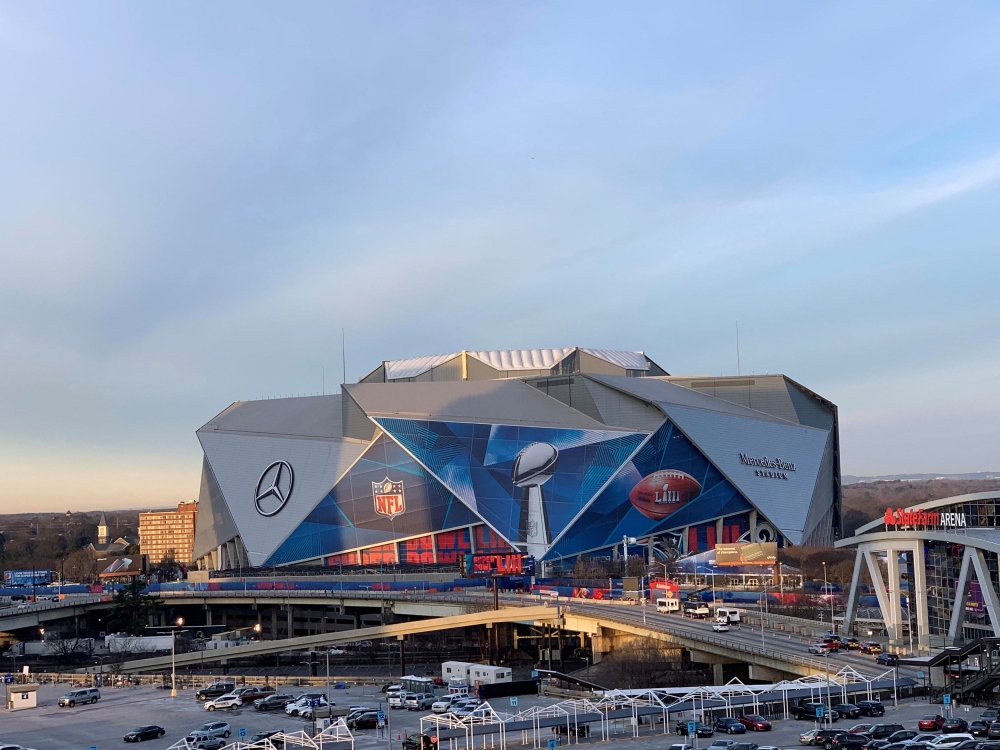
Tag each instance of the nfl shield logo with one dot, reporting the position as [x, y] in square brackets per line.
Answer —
[389, 500]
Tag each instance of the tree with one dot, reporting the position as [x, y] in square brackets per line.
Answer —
[132, 609]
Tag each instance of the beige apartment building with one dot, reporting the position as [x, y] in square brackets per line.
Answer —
[169, 535]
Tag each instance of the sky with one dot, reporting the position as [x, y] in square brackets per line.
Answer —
[196, 198]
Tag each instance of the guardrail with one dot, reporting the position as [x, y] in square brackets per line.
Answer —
[77, 599]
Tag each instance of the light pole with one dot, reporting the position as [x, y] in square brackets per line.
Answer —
[328, 674]
[826, 590]
[827, 711]
[173, 662]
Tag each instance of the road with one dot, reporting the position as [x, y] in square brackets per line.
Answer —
[792, 647]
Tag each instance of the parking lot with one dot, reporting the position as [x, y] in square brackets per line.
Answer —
[104, 724]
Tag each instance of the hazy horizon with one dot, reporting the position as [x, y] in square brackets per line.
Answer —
[198, 198]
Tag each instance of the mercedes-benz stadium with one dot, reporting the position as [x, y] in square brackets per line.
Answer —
[550, 452]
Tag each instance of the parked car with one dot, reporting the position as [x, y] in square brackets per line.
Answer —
[807, 710]
[993, 733]
[979, 728]
[949, 740]
[271, 702]
[365, 720]
[722, 745]
[296, 707]
[850, 644]
[701, 730]
[848, 710]
[721, 627]
[870, 647]
[214, 729]
[832, 643]
[954, 725]
[922, 738]
[745, 746]
[229, 700]
[215, 690]
[148, 732]
[889, 660]
[395, 699]
[848, 741]
[903, 735]
[860, 729]
[818, 648]
[419, 701]
[729, 725]
[82, 695]
[680, 746]
[756, 722]
[355, 712]
[871, 708]
[443, 705]
[884, 731]
[806, 738]
[932, 722]
[990, 715]
[205, 742]
[824, 738]
[419, 742]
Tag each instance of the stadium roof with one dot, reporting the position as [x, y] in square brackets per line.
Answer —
[512, 360]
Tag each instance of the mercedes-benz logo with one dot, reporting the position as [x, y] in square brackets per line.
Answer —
[274, 485]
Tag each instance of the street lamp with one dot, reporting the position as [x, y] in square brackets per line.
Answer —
[328, 675]
[826, 590]
[173, 658]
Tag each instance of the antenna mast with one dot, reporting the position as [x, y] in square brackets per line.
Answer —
[738, 347]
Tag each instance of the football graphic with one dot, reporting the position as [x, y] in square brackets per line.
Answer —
[659, 494]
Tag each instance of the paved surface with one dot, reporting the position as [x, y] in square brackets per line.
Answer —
[104, 724]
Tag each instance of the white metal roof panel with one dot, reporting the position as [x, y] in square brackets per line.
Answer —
[410, 368]
[522, 359]
[306, 416]
[626, 360]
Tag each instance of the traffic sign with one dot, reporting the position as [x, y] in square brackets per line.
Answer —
[946, 699]
[692, 728]
[93, 747]
[243, 731]
[513, 700]
[820, 712]
[8, 679]
[920, 674]
[552, 744]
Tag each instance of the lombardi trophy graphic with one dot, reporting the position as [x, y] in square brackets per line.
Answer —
[533, 467]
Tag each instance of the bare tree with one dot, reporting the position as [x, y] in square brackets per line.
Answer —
[70, 650]
[641, 663]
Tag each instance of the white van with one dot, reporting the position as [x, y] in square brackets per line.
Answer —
[668, 605]
[730, 613]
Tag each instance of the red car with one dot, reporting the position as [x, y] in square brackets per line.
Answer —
[756, 722]
[930, 723]
[251, 693]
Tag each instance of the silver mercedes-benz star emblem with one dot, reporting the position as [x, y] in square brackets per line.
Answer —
[274, 487]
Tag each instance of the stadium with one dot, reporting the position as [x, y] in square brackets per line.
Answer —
[554, 453]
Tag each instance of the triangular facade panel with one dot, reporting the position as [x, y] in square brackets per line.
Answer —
[240, 461]
[777, 493]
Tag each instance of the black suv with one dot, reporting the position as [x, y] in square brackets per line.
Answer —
[824, 738]
[215, 690]
[848, 741]
[884, 731]
[954, 725]
[871, 708]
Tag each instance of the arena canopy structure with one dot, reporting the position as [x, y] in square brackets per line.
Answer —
[550, 452]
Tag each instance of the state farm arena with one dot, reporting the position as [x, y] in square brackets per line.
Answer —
[550, 452]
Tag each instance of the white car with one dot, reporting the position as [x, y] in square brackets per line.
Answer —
[444, 705]
[299, 707]
[396, 699]
[465, 709]
[419, 701]
[229, 700]
[949, 740]
[720, 627]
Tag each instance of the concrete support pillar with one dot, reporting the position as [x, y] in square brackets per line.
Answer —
[718, 531]
[208, 614]
[769, 674]
[895, 607]
[920, 591]
[322, 622]
[718, 677]
[274, 623]
[291, 620]
[225, 617]
[753, 526]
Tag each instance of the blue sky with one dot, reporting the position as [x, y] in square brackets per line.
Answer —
[195, 198]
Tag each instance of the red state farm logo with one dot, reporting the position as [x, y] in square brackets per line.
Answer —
[389, 498]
